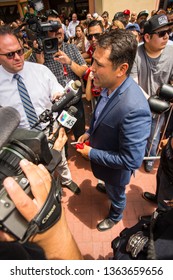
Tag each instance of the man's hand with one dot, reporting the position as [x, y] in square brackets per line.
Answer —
[40, 182]
[39, 56]
[57, 242]
[83, 138]
[85, 151]
[57, 96]
[61, 140]
[62, 57]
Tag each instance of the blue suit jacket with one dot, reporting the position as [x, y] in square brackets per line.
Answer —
[119, 137]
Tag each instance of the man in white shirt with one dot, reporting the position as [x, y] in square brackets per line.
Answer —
[40, 83]
[72, 26]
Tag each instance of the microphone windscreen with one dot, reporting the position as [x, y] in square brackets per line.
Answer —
[72, 110]
[62, 102]
[9, 121]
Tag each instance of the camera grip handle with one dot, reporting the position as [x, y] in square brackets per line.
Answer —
[49, 214]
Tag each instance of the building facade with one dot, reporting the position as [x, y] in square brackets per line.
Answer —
[10, 10]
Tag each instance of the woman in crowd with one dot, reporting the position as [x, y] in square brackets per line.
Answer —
[80, 39]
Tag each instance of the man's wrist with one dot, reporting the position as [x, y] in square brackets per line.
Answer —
[71, 61]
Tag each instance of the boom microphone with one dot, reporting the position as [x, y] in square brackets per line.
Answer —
[69, 93]
[9, 121]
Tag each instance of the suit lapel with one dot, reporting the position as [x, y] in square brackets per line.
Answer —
[111, 103]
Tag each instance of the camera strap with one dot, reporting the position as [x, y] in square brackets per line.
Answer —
[49, 214]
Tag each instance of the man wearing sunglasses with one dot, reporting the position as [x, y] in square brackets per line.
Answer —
[153, 67]
[11, 63]
[41, 85]
[95, 29]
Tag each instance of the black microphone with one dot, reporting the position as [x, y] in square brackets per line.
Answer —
[70, 91]
[9, 121]
[71, 120]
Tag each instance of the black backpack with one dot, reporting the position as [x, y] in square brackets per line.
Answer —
[152, 240]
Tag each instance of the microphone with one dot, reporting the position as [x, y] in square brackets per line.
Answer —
[9, 121]
[70, 91]
[66, 120]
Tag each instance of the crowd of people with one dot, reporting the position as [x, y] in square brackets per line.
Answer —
[121, 63]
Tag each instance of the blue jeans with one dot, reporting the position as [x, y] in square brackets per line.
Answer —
[154, 138]
[117, 196]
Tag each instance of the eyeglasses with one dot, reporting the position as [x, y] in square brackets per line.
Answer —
[11, 55]
[162, 33]
[96, 36]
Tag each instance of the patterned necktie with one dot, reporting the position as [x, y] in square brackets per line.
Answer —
[27, 103]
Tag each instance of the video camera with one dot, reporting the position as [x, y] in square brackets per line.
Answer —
[15, 145]
[38, 28]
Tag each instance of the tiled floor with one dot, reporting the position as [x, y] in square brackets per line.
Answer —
[84, 211]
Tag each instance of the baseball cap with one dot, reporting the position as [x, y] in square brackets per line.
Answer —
[133, 26]
[156, 22]
[143, 13]
[126, 12]
[118, 15]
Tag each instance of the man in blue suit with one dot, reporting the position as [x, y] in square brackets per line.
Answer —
[121, 121]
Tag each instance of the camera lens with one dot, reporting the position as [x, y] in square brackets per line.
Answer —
[10, 157]
[49, 45]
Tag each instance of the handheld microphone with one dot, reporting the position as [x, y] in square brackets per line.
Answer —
[66, 120]
[9, 121]
[70, 91]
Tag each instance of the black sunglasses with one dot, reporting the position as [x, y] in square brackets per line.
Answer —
[96, 36]
[162, 33]
[11, 55]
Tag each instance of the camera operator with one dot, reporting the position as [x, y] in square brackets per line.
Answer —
[31, 91]
[54, 14]
[164, 180]
[67, 64]
[55, 243]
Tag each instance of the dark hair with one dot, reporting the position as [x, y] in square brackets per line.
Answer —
[105, 13]
[123, 47]
[6, 30]
[141, 24]
[120, 16]
[81, 27]
[95, 23]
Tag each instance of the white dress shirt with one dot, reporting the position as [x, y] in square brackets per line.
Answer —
[40, 83]
[72, 28]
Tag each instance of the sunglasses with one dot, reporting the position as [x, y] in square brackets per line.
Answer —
[11, 55]
[96, 36]
[162, 33]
